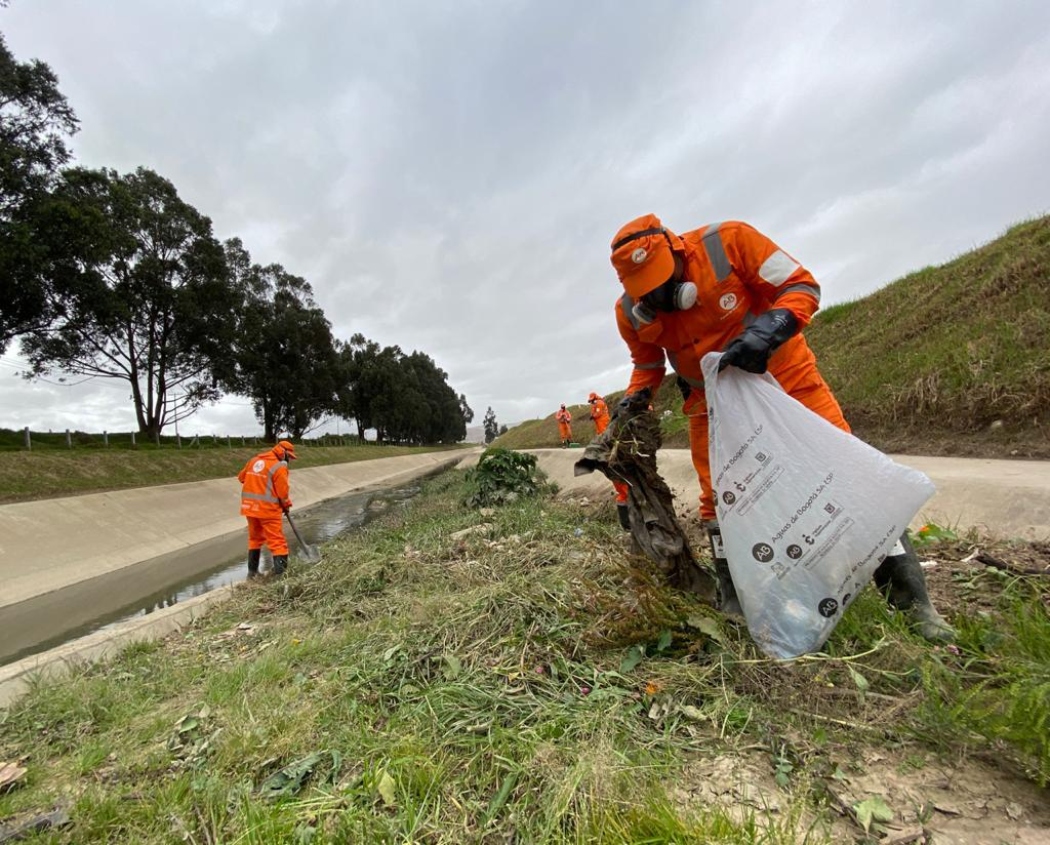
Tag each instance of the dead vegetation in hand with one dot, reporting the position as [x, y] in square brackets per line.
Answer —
[516, 674]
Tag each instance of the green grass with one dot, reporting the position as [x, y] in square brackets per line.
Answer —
[47, 473]
[954, 348]
[528, 682]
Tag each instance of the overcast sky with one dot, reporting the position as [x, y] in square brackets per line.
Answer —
[448, 175]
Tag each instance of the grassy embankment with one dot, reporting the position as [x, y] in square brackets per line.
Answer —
[949, 360]
[51, 471]
[527, 682]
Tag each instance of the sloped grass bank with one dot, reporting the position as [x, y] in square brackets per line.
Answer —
[454, 674]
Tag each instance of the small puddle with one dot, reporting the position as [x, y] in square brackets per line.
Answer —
[179, 577]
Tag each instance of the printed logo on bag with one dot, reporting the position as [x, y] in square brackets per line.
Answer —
[846, 598]
[728, 302]
[828, 607]
[729, 497]
[639, 255]
[258, 466]
[794, 551]
[762, 552]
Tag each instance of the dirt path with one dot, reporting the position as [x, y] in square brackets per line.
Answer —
[1002, 499]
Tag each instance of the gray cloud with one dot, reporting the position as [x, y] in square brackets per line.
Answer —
[448, 176]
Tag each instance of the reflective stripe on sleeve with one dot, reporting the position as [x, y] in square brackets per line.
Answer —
[778, 268]
[653, 366]
[812, 290]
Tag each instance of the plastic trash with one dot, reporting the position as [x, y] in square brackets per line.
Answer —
[807, 511]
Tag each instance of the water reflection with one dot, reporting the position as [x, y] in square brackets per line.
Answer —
[318, 524]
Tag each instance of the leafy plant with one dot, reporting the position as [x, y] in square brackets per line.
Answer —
[502, 476]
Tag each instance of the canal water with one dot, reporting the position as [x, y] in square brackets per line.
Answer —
[185, 575]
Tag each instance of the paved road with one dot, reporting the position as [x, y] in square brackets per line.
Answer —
[1002, 499]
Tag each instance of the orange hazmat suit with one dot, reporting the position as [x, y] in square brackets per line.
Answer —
[265, 497]
[564, 419]
[738, 274]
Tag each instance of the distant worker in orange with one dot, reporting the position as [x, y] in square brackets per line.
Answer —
[599, 412]
[727, 287]
[600, 418]
[264, 500]
[564, 419]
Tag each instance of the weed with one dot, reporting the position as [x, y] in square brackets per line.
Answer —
[502, 476]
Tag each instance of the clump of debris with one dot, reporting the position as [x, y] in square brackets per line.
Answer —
[626, 452]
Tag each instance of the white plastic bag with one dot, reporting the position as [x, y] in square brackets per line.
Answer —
[807, 511]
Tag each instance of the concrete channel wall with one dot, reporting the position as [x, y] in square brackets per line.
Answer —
[65, 556]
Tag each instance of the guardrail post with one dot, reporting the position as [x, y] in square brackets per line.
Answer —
[105, 438]
[29, 440]
[133, 446]
[69, 440]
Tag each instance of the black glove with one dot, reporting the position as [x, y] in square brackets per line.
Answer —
[751, 350]
[643, 396]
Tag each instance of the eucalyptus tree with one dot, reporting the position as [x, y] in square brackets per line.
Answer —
[147, 298]
[283, 357]
[35, 123]
[490, 425]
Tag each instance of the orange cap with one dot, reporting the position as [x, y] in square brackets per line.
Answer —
[642, 253]
[289, 449]
[592, 397]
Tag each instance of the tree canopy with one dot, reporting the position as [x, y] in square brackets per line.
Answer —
[284, 357]
[147, 299]
[490, 425]
[405, 398]
[35, 121]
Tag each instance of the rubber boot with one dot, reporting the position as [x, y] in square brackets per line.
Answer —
[280, 564]
[728, 601]
[625, 517]
[902, 581]
[253, 562]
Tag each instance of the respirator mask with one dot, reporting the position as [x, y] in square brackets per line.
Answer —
[672, 295]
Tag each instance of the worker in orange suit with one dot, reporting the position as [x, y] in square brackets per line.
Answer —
[264, 499]
[600, 418]
[727, 287]
[599, 412]
[564, 419]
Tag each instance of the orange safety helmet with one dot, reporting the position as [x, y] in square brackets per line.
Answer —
[593, 396]
[289, 450]
[643, 255]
